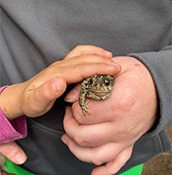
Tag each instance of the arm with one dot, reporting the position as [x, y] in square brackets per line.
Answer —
[160, 66]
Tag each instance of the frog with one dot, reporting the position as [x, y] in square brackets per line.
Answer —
[97, 87]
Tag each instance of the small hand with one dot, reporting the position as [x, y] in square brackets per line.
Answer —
[115, 124]
[36, 96]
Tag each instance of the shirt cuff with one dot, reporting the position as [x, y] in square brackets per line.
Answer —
[14, 130]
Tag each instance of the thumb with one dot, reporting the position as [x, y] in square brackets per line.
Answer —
[73, 95]
[52, 89]
[13, 152]
[40, 100]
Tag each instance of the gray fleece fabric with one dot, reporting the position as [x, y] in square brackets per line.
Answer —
[36, 33]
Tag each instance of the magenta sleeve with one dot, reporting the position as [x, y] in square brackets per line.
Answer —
[14, 130]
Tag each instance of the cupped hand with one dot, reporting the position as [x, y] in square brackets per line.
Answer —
[115, 124]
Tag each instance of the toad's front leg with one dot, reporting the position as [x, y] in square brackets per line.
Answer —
[83, 103]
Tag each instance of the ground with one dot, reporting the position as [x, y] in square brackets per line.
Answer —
[160, 165]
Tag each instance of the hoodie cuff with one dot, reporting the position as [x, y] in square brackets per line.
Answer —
[14, 130]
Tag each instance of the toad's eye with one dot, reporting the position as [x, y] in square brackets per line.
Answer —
[91, 81]
[107, 82]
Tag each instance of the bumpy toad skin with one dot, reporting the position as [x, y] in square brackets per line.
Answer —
[98, 87]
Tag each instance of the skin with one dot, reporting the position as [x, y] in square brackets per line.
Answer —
[108, 136]
[131, 110]
[43, 89]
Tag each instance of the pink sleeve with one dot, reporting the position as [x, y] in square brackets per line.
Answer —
[14, 130]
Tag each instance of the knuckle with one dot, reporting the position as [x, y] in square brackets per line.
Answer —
[43, 93]
[80, 141]
[52, 69]
[97, 160]
[97, 163]
[99, 157]
[127, 103]
[105, 154]
[123, 132]
[124, 105]
[77, 112]
[78, 47]
[32, 108]
[78, 68]
[11, 150]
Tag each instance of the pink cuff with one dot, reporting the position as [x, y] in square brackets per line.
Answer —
[15, 130]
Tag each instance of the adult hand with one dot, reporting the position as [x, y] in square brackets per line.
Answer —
[36, 96]
[115, 124]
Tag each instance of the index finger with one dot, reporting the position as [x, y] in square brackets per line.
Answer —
[88, 50]
[76, 73]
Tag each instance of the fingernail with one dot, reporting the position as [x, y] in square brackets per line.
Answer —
[57, 84]
[108, 53]
[21, 158]
[71, 96]
[64, 140]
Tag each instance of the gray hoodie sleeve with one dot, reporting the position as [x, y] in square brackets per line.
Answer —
[160, 66]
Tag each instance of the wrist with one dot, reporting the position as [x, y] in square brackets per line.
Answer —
[10, 101]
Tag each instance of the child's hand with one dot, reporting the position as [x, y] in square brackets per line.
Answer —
[36, 96]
